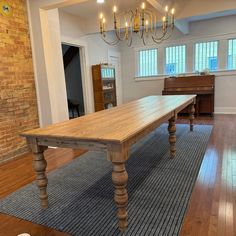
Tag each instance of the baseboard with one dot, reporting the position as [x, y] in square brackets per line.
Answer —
[225, 110]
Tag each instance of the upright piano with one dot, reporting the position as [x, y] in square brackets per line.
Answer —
[203, 86]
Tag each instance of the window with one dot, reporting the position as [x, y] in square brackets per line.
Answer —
[232, 54]
[175, 60]
[206, 56]
[147, 62]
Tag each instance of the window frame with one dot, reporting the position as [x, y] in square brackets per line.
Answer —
[227, 55]
[164, 62]
[137, 60]
[194, 54]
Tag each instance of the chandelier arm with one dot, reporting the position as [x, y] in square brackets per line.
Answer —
[162, 38]
[118, 36]
[144, 43]
[112, 43]
[131, 37]
[129, 43]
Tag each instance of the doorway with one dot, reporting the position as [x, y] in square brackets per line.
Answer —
[73, 77]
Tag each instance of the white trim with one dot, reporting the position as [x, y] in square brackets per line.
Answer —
[119, 88]
[175, 46]
[51, 39]
[34, 64]
[85, 72]
[218, 73]
[137, 64]
[225, 110]
[189, 39]
[62, 3]
[150, 78]
[224, 73]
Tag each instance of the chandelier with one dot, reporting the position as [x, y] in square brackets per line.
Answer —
[141, 21]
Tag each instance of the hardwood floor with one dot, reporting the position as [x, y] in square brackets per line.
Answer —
[18, 173]
[212, 207]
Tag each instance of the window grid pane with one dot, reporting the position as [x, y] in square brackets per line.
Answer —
[206, 56]
[232, 54]
[175, 60]
[147, 62]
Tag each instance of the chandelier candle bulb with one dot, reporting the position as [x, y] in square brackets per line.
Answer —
[167, 12]
[146, 26]
[143, 6]
[101, 27]
[172, 16]
[103, 24]
[126, 30]
[164, 22]
[115, 21]
[143, 13]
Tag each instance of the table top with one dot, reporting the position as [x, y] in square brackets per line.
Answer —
[117, 124]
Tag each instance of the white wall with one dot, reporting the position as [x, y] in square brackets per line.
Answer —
[225, 85]
[71, 30]
[48, 63]
[49, 28]
[95, 50]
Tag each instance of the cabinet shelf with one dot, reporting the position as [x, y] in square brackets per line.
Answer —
[108, 90]
[104, 86]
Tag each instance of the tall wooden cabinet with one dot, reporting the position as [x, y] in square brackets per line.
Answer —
[104, 86]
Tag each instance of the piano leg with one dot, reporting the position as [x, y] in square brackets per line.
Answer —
[197, 106]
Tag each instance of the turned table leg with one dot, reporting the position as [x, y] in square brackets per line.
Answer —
[172, 137]
[191, 116]
[40, 165]
[119, 179]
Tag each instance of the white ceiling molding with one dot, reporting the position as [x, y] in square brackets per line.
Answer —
[157, 5]
[62, 3]
[182, 25]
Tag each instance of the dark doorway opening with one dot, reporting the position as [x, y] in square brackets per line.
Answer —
[74, 86]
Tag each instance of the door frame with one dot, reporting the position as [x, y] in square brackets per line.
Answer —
[85, 72]
[119, 91]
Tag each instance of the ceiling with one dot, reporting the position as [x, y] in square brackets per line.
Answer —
[90, 8]
[186, 10]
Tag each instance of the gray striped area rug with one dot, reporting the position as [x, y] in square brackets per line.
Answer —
[81, 193]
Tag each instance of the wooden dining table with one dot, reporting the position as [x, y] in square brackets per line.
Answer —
[112, 131]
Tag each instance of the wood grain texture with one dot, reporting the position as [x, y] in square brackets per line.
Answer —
[18, 173]
[201, 85]
[130, 122]
[211, 210]
[212, 207]
[118, 124]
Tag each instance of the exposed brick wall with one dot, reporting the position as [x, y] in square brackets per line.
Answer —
[18, 104]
